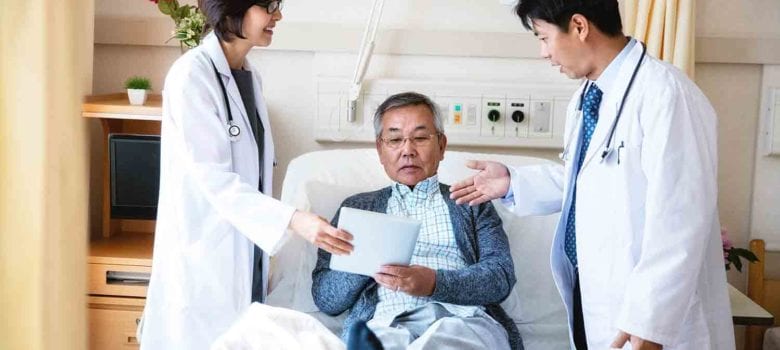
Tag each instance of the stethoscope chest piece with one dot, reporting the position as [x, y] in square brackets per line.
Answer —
[233, 131]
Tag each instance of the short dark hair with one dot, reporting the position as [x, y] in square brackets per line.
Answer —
[406, 99]
[604, 14]
[226, 17]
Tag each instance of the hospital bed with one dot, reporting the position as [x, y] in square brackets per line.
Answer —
[319, 181]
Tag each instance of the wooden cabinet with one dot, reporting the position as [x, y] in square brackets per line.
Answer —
[120, 252]
[113, 322]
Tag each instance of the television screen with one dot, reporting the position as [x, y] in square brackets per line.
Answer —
[135, 175]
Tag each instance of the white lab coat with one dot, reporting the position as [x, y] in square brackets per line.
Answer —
[210, 211]
[648, 241]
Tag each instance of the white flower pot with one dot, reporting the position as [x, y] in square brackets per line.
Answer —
[137, 97]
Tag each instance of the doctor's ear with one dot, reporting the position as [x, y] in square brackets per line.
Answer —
[580, 24]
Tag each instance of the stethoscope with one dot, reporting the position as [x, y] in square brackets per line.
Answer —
[608, 148]
[233, 130]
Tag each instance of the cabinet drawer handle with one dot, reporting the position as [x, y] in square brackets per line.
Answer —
[132, 340]
[128, 278]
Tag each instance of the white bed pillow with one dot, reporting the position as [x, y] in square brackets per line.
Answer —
[320, 181]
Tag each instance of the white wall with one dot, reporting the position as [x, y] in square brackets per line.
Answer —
[435, 15]
[717, 18]
[131, 8]
[738, 18]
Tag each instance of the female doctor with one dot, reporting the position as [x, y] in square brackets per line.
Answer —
[215, 205]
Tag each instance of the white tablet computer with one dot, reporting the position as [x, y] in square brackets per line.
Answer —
[379, 239]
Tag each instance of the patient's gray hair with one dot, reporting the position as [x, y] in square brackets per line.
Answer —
[405, 99]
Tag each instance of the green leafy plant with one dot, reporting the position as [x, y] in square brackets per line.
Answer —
[732, 254]
[139, 83]
[190, 22]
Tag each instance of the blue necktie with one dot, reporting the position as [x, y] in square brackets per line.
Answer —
[590, 116]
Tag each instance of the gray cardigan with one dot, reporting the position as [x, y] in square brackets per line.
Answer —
[486, 281]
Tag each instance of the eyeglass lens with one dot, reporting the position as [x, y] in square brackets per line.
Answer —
[273, 6]
[395, 141]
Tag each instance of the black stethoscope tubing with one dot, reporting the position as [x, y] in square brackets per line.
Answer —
[623, 102]
[613, 127]
[233, 129]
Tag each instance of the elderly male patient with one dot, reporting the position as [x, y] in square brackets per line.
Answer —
[461, 268]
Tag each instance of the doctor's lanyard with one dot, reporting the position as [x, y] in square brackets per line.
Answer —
[233, 130]
[613, 127]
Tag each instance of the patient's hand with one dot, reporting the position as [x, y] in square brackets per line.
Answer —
[319, 232]
[414, 280]
[491, 182]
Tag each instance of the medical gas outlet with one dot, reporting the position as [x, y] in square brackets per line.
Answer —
[517, 109]
[492, 122]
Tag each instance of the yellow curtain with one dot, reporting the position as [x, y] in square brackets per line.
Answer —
[668, 28]
[45, 65]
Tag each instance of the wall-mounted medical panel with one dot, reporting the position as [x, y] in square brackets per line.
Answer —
[473, 113]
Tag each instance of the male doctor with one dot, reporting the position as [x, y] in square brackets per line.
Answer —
[637, 254]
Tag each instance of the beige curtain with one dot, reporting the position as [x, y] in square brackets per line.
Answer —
[45, 69]
[668, 28]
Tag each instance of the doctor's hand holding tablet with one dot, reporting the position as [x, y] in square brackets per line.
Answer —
[320, 233]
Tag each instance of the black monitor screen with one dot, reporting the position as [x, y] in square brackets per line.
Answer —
[135, 175]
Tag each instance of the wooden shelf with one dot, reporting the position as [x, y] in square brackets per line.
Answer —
[118, 116]
[125, 248]
[126, 303]
[116, 106]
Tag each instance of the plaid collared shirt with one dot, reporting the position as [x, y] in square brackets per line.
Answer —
[436, 247]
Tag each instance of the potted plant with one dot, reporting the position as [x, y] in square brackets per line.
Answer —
[136, 90]
[189, 21]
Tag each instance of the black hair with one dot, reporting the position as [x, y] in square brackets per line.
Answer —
[226, 17]
[604, 14]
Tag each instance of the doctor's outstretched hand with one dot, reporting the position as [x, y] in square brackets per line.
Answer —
[319, 232]
[491, 182]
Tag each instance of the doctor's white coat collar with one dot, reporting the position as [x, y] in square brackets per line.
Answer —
[213, 50]
[611, 102]
[606, 81]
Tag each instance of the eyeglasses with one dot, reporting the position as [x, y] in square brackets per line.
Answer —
[418, 140]
[271, 6]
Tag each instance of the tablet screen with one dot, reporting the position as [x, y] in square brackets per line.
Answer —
[378, 239]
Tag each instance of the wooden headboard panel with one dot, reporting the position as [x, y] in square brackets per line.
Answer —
[762, 290]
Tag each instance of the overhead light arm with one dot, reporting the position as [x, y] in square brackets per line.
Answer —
[364, 58]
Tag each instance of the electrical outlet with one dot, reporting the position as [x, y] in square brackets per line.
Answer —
[541, 119]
